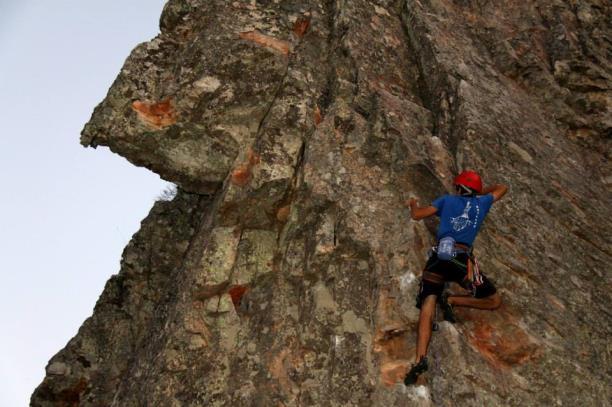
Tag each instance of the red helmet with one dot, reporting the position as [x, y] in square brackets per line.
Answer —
[470, 179]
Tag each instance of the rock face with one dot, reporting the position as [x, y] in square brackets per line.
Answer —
[284, 271]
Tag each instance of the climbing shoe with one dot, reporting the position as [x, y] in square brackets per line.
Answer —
[415, 372]
[447, 309]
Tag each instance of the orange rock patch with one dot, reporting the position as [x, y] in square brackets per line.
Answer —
[156, 115]
[555, 302]
[301, 26]
[285, 361]
[72, 395]
[241, 176]
[393, 372]
[236, 292]
[390, 342]
[283, 213]
[318, 118]
[498, 337]
[278, 368]
[208, 291]
[266, 41]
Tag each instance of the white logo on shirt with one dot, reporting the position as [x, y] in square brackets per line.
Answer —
[462, 221]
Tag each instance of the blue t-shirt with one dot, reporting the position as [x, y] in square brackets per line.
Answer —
[461, 216]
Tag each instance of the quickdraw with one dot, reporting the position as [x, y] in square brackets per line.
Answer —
[474, 278]
[477, 276]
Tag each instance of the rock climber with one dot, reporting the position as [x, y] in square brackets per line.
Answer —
[452, 259]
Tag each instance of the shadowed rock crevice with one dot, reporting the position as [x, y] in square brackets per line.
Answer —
[285, 270]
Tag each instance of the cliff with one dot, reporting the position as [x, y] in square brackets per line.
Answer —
[284, 271]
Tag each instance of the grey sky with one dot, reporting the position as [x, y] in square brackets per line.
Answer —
[66, 212]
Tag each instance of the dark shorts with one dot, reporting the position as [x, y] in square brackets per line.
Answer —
[456, 271]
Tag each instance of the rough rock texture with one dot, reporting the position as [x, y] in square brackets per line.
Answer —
[284, 272]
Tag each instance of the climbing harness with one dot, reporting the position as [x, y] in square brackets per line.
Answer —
[447, 252]
[473, 277]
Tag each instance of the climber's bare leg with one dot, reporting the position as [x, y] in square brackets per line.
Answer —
[489, 303]
[428, 308]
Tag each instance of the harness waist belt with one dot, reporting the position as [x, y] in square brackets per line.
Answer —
[432, 277]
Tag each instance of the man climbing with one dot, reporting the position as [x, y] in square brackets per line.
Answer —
[451, 258]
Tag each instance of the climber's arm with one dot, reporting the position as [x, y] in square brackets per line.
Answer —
[417, 212]
[497, 190]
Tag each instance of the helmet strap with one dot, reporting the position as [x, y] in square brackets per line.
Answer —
[465, 191]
